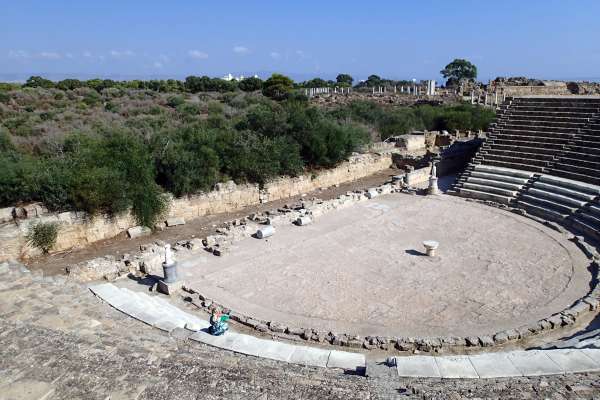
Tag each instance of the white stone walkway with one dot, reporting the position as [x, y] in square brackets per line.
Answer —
[159, 313]
[498, 365]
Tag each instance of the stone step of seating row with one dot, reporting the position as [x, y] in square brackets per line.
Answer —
[520, 142]
[532, 138]
[539, 122]
[526, 149]
[497, 184]
[493, 150]
[159, 313]
[556, 199]
[582, 118]
[554, 109]
[517, 159]
[545, 114]
[587, 220]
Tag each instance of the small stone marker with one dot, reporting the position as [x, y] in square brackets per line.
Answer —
[138, 231]
[304, 220]
[265, 232]
[430, 247]
[175, 221]
[372, 193]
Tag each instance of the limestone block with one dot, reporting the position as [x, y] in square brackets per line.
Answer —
[265, 232]
[6, 214]
[95, 269]
[305, 220]
[411, 142]
[138, 231]
[174, 221]
[371, 193]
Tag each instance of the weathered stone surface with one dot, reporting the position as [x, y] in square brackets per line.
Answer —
[174, 221]
[277, 327]
[472, 341]
[486, 341]
[138, 231]
[501, 337]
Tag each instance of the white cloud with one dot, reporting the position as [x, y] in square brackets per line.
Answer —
[68, 55]
[275, 55]
[87, 54]
[123, 53]
[197, 54]
[163, 58]
[49, 55]
[18, 54]
[241, 50]
[157, 65]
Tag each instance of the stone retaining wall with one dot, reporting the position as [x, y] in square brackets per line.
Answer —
[78, 230]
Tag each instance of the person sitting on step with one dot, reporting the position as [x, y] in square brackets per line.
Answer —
[218, 322]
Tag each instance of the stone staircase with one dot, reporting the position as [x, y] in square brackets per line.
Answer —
[542, 134]
[542, 155]
[488, 182]
[556, 199]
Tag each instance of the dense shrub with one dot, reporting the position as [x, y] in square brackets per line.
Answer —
[106, 147]
[43, 235]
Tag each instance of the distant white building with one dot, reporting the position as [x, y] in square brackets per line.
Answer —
[230, 77]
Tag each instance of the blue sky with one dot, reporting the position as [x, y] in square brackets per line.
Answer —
[395, 39]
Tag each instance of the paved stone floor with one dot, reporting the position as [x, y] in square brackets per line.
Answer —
[360, 270]
[57, 342]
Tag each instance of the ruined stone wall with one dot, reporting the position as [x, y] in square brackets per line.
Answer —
[78, 230]
[555, 90]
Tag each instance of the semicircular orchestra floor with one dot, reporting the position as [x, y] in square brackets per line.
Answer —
[361, 270]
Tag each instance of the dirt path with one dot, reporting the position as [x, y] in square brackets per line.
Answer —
[55, 264]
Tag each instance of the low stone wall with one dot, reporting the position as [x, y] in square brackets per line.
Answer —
[418, 176]
[78, 230]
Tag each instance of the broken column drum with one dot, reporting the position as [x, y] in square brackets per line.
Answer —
[265, 232]
[430, 247]
[169, 266]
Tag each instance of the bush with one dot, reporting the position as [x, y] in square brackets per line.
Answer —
[278, 87]
[43, 235]
[175, 101]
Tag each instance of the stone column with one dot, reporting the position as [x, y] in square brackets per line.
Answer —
[433, 181]
[170, 283]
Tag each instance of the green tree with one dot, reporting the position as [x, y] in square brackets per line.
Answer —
[278, 87]
[344, 79]
[458, 70]
[38, 81]
[250, 84]
[373, 80]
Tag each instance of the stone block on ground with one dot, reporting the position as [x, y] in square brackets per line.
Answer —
[456, 367]
[138, 231]
[169, 288]
[494, 365]
[534, 363]
[310, 356]
[174, 221]
[346, 360]
[417, 366]
[573, 360]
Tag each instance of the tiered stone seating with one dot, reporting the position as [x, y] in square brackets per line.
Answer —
[542, 155]
[555, 198]
[493, 183]
[587, 220]
[532, 134]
